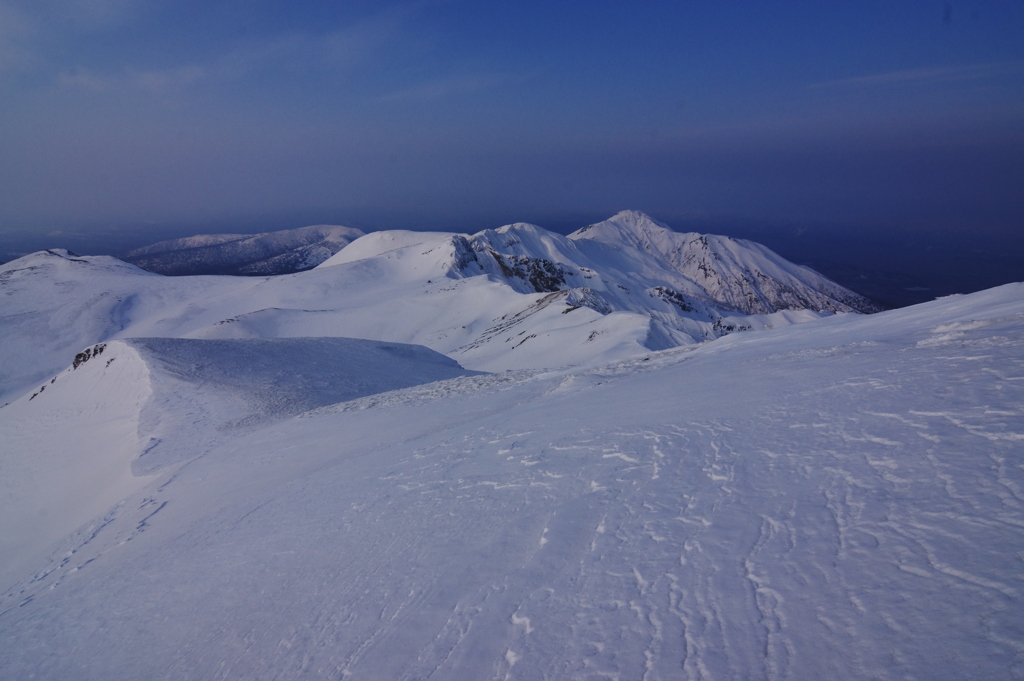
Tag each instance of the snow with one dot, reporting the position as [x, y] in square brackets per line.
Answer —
[519, 297]
[139, 406]
[66, 455]
[841, 498]
[731, 273]
[282, 252]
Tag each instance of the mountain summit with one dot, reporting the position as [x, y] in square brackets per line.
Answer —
[731, 273]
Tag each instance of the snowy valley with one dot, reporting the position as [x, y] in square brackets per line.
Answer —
[628, 453]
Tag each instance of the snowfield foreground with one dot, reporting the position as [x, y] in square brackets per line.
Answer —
[838, 499]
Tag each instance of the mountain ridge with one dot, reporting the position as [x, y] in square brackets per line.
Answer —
[816, 500]
[280, 252]
[517, 297]
[734, 273]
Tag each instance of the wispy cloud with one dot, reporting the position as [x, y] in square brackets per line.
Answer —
[16, 34]
[352, 44]
[162, 82]
[95, 13]
[27, 26]
[340, 50]
[77, 15]
[441, 88]
[936, 75]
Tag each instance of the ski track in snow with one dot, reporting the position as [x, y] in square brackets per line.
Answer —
[854, 511]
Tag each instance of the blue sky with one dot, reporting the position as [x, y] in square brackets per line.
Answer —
[464, 115]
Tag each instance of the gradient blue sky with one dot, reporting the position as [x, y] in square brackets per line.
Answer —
[464, 115]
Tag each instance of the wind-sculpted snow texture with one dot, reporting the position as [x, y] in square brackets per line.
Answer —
[842, 499]
[284, 252]
[139, 406]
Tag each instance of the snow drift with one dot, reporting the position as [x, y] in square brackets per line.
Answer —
[71, 447]
[832, 499]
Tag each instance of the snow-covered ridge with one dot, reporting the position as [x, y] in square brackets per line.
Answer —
[125, 410]
[692, 287]
[518, 297]
[731, 273]
[832, 500]
[282, 252]
[621, 254]
[67, 449]
[194, 389]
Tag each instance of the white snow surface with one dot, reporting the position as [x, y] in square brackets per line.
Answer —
[838, 499]
[282, 252]
[139, 406]
[730, 273]
[518, 297]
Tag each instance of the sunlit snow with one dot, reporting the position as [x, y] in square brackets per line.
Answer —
[837, 499]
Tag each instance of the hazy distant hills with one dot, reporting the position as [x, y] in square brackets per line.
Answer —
[282, 252]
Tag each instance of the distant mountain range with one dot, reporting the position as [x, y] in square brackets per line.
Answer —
[283, 252]
[732, 274]
[629, 250]
[518, 297]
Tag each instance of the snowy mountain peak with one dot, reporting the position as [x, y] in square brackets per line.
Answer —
[508, 298]
[61, 252]
[62, 259]
[51, 255]
[520, 228]
[630, 227]
[731, 273]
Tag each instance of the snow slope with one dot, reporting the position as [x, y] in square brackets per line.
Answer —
[54, 304]
[514, 298]
[66, 452]
[840, 499]
[730, 273]
[283, 252]
[69, 449]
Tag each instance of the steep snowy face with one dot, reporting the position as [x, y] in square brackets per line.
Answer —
[283, 252]
[731, 273]
[527, 257]
[66, 450]
[686, 283]
[124, 410]
[528, 260]
[206, 390]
